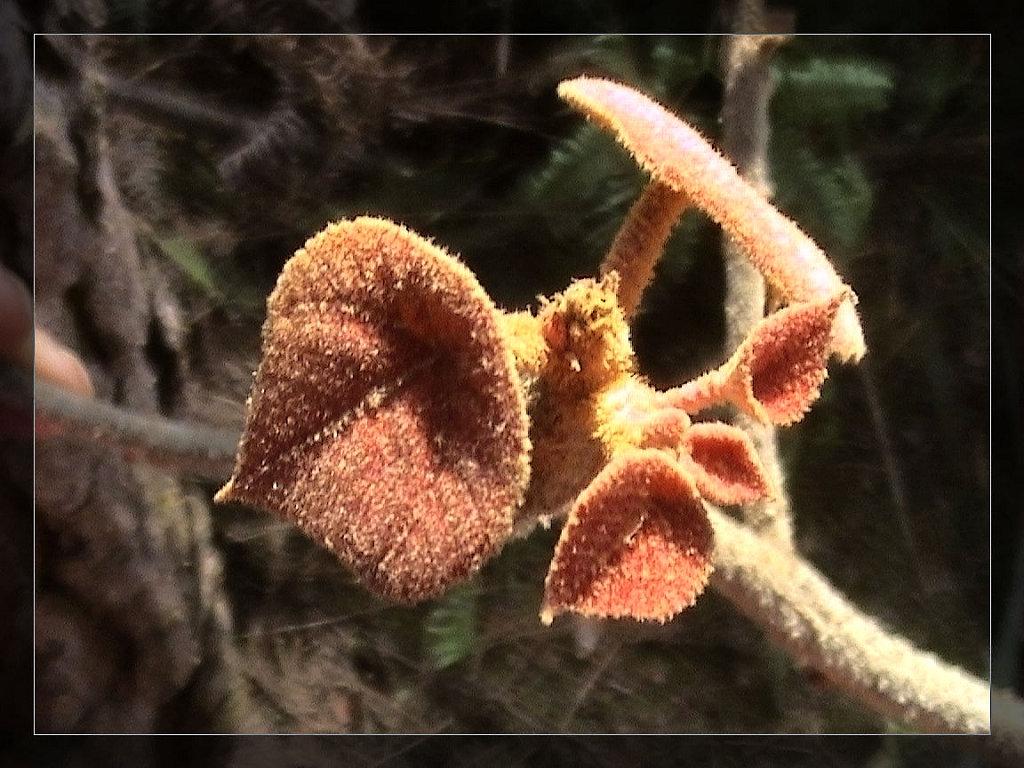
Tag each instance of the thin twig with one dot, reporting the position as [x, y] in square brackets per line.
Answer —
[746, 129]
[192, 449]
[892, 469]
[804, 614]
[585, 689]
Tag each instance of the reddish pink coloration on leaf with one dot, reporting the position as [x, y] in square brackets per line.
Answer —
[783, 362]
[664, 429]
[777, 372]
[386, 418]
[724, 463]
[637, 543]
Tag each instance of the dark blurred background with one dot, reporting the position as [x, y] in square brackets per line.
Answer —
[217, 156]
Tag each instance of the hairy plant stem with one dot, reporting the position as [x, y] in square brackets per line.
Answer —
[803, 613]
[641, 240]
[748, 88]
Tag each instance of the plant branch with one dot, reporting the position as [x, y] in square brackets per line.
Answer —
[641, 240]
[746, 131]
[804, 614]
[193, 449]
[787, 597]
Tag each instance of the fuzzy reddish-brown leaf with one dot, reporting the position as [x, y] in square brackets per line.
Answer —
[783, 363]
[386, 418]
[637, 543]
[724, 463]
[776, 374]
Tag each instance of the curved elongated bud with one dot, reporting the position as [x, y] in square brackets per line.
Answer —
[682, 160]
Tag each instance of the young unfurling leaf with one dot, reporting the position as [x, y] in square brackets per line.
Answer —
[637, 543]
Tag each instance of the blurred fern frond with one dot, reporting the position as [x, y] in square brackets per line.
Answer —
[831, 196]
[831, 90]
[450, 627]
[820, 103]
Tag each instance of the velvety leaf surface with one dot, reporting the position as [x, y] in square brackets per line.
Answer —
[386, 418]
[637, 543]
[783, 363]
[725, 465]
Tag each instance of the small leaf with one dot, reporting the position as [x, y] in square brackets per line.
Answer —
[780, 367]
[724, 463]
[664, 428]
[777, 372]
[637, 543]
[386, 418]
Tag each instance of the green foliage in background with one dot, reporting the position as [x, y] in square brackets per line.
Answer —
[823, 182]
[186, 255]
[450, 627]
